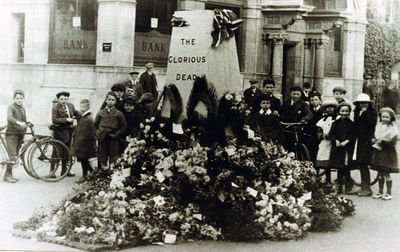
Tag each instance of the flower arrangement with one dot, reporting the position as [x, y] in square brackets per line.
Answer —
[180, 190]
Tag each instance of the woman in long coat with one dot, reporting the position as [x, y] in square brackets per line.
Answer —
[364, 121]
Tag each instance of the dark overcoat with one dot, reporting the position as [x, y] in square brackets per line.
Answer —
[148, 84]
[84, 138]
[251, 97]
[364, 132]
[341, 130]
[296, 112]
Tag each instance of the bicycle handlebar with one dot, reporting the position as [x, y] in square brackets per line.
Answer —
[292, 124]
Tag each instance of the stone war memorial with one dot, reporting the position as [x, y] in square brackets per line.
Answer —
[191, 54]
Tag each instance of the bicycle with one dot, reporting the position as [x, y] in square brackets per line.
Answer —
[301, 151]
[41, 156]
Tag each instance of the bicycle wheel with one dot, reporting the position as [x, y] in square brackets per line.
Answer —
[47, 157]
[356, 177]
[302, 153]
[25, 158]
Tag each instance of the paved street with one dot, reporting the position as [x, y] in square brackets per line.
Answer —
[375, 227]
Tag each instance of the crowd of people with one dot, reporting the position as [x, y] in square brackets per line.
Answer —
[339, 134]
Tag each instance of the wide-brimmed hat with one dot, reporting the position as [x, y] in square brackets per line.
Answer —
[64, 93]
[339, 89]
[329, 102]
[343, 104]
[362, 98]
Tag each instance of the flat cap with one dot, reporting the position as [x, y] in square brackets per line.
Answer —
[134, 72]
[62, 93]
[149, 65]
[253, 81]
[118, 87]
[19, 92]
[339, 89]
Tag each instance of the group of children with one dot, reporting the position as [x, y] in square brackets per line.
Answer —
[344, 136]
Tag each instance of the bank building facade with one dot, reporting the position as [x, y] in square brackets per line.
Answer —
[85, 46]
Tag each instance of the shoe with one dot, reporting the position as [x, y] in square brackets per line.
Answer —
[353, 191]
[70, 174]
[387, 197]
[16, 180]
[365, 193]
[9, 179]
[377, 196]
[81, 180]
[51, 176]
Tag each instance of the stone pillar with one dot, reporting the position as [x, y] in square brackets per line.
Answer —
[319, 64]
[191, 5]
[252, 53]
[116, 25]
[277, 63]
[307, 71]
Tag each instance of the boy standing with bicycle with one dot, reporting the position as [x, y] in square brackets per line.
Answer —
[16, 128]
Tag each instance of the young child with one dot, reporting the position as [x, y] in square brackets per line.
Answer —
[133, 119]
[16, 128]
[110, 124]
[384, 157]
[324, 126]
[342, 137]
[338, 93]
[364, 122]
[84, 139]
[268, 120]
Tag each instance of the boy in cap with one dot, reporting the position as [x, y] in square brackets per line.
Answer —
[338, 93]
[16, 128]
[295, 110]
[250, 94]
[64, 115]
[148, 81]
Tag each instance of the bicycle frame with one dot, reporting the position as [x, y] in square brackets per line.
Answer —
[24, 147]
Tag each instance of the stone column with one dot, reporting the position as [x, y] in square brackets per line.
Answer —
[192, 5]
[252, 53]
[307, 73]
[116, 25]
[277, 62]
[319, 64]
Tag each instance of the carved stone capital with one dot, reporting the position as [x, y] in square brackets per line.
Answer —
[321, 43]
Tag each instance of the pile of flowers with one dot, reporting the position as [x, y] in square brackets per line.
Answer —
[161, 190]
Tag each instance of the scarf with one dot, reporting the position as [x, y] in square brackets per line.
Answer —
[386, 132]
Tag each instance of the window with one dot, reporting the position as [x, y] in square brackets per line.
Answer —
[161, 9]
[20, 17]
[73, 31]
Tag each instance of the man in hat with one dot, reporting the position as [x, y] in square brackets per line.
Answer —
[133, 83]
[64, 115]
[250, 95]
[148, 81]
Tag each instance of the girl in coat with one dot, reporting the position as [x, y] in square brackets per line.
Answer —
[384, 157]
[324, 126]
[342, 138]
[364, 122]
[84, 140]
[110, 125]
